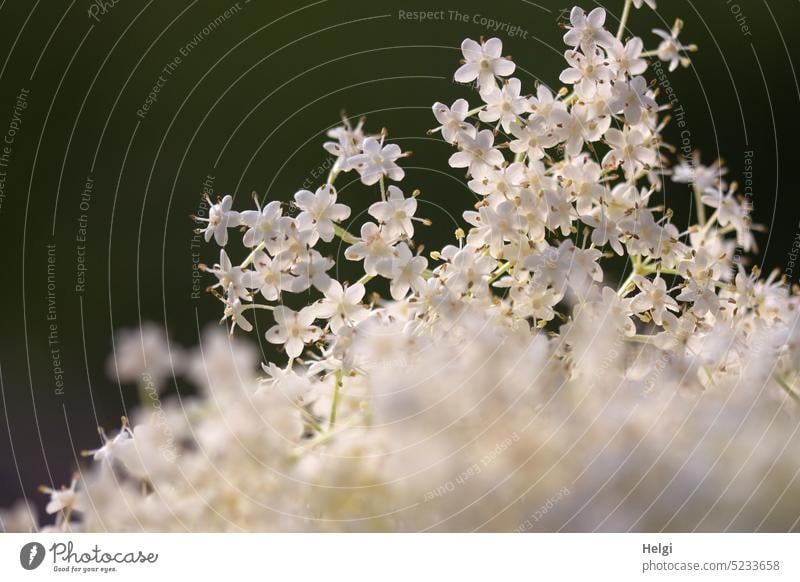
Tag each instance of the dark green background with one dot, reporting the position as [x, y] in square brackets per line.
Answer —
[258, 94]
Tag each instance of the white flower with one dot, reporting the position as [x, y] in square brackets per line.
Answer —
[373, 246]
[729, 209]
[311, 270]
[551, 266]
[584, 268]
[504, 105]
[477, 154]
[627, 59]
[577, 127]
[466, 271]
[533, 137]
[108, 452]
[632, 98]
[234, 310]
[405, 271]
[703, 177]
[671, 50]
[220, 219]
[495, 225]
[453, 120]
[653, 297]
[544, 104]
[395, 213]
[349, 141]
[378, 160]
[293, 329]
[321, 210]
[143, 354]
[342, 305]
[605, 230]
[64, 500]
[270, 276]
[586, 72]
[630, 148]
[483, 62]
[703, 297]
[265, 225]
[587, 31]
[650, 3]
[614, 311]
[582, 179]
[232, 279]
[149, 453]
[19, 518]
[535, 301]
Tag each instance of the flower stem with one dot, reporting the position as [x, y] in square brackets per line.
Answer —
[626, 12]
[500, 271]
[787, 388]
[701, 208]
[252, 255]
[344, 235]
[337, 393]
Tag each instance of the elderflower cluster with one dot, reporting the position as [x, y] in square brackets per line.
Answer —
[505, 368]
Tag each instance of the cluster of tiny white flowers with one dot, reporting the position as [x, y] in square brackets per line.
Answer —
[479, 389]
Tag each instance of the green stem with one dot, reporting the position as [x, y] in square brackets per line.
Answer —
[701, 208]
[337, 393]
[500, 271]
[788, 389]
[252, 255]
[365, 279]
[344, 235]
[626, 12]
[258, 306]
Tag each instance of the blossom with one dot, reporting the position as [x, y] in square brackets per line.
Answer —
[220, 219]
[585, 72]
[342, 305]
[373, 246]
[533, 137]
[504, 105]
[108, 451]
[395, 213]
[293, 329]
[143, 355]
[587, 31]
[312, 269]
[518, 319]
[349, 143]
[271, 275]
[483, 62]
[232, 279]
[671, 50]
[630, 149]
[265, 225]
[404, 270]
[577, 127]
[477, 154]
[378, 160]
[64, 500]
[653, 297]
[321, 210]
[234, 310]
[633, 99]
[453, 120]
[627, 59]
[695, 173]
